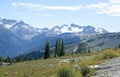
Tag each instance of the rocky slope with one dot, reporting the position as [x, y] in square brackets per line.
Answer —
[109, 68]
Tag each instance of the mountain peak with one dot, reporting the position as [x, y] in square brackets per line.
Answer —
[74, 28]
[64, 25]
[20, 23]
[8, 21]
[19, 32]
[74, 25]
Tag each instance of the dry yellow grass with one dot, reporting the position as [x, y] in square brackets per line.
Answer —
[50, 67]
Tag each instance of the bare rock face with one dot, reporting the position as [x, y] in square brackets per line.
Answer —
[109, 68]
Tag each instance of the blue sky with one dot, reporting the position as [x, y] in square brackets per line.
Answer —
[49, 13]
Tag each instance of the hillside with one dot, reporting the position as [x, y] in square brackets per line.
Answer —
[9, 42]
[96, 42]
[50, 67]
[93, 42]
[104, 41]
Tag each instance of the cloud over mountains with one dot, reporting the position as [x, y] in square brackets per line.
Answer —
[109, 7]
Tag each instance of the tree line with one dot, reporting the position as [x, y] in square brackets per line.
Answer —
[59, 49]
[8, 60]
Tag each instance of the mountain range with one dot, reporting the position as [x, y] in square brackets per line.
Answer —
[18, 37]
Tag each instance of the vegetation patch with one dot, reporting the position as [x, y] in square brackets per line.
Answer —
[85, 70]
[1, 75]
[77, 67]
[65, 72]
[109, 54]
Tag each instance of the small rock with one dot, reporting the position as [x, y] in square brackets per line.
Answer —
[16, 73]
[51, 65]
[95, 67]
[6, 73]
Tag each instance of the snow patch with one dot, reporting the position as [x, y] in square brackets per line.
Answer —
[8, 26]
[56, 29]
[29, 37]
[65, 29]
[70, 29]
[75, 29]
[100, 30]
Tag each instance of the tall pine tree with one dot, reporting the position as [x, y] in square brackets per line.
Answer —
[59, 48]
[62, 50]
[1, 60]
[47, 50]
[88, 49]
[19, 58]
[56, 48]
[9, 60]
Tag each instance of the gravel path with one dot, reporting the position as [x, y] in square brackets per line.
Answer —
[109, 68]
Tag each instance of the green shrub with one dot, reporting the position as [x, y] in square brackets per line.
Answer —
[98, 57]
[65, 72]
[85, 70]
[108, 54]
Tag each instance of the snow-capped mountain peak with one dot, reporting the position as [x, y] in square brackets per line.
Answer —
[7, 21]
[21, 24]
[75, 25]
[25, 31]
[20, 28]
[23, 37]
[100, 30]
[73, 28]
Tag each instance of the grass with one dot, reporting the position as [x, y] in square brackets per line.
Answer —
[65, 72]
[85, 70]
[108, 54]
[50, 67]
[1, 75]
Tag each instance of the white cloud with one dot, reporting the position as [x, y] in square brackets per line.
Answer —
[96, 6]
[15, 4]
[113, 10]
[45, 7]
[110, 7]
[114, 1]
[26, 5]
[72, 8]
[44, 15]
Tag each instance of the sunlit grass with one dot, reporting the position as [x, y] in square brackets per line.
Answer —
[50, 67]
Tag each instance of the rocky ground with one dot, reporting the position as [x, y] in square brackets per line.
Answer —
[109, 68]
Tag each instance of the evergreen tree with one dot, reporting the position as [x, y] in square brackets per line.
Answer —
[62, 52]
[9, 60]
[30, 58]
[1, 60]
[56, 48]
[47, 51]
[82, 48]
[59, 47]
[118, 45]
[18, 58]
[88, 49]
[26, 58]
